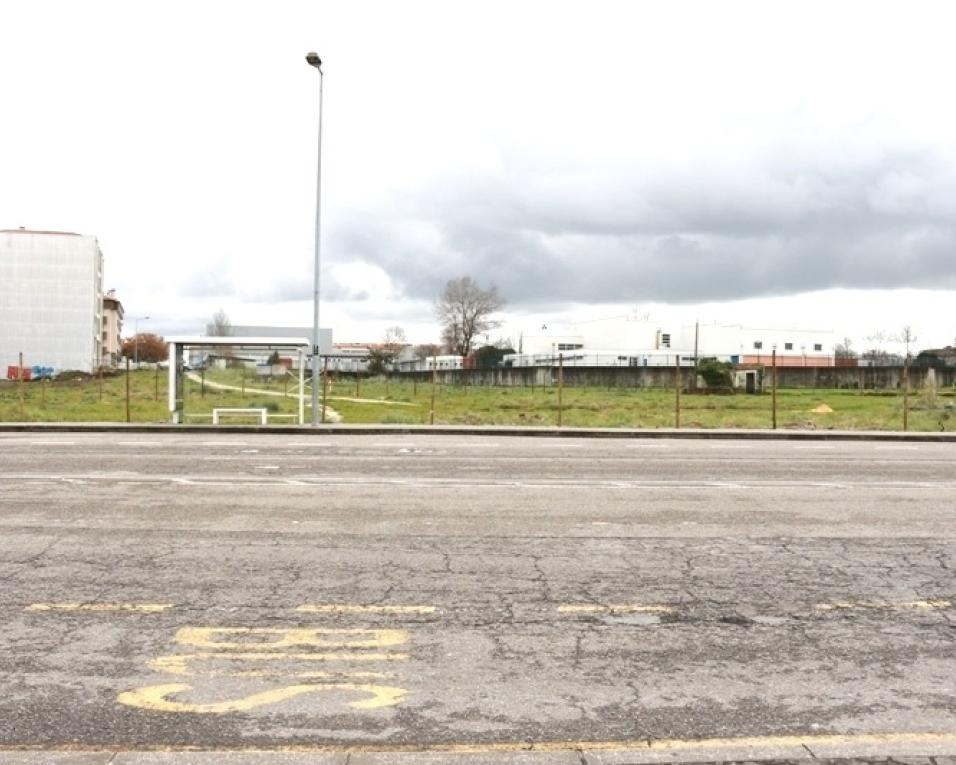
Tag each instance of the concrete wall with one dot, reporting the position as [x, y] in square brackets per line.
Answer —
[882, 378]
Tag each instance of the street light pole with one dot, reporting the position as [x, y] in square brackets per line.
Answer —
[313, 60]
[136, 320]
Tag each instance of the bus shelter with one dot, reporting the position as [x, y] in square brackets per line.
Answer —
[298, 345]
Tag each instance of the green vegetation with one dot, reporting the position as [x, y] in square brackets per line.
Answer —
[717, 374]
[89, 399]
[377, 400]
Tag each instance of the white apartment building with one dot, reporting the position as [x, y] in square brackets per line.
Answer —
[51, 299]
[112, 329]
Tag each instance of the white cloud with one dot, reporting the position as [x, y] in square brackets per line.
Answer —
[594, 154]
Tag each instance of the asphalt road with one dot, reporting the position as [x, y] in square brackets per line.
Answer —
[371, 598]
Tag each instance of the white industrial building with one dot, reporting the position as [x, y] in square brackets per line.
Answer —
[755, 345]
[51, 299]
[408, 361]
[639, 340]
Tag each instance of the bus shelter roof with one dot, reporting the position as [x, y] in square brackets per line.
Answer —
[197, 341]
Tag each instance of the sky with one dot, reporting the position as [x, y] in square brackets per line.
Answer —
[779, 163]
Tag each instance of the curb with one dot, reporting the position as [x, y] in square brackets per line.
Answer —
[486, 430]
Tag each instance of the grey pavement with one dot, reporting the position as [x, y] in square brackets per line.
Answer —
[421, 598]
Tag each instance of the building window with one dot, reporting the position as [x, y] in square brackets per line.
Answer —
[666, 340]
[788, 346]
[758, 345]
[817, 347]
[569, 346]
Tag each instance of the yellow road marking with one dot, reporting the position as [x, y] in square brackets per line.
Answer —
[156, 697]
[878, 604]
[746, 742]
[286, 637]
[618, 608]
[179, 664]
[351, 608]
[139, 608]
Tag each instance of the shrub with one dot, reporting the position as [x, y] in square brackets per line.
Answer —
[269, 406]
[716, 374]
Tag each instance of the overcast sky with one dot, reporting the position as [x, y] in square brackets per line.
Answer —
[772, 163]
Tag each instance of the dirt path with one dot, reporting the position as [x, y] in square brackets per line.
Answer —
[330, 414]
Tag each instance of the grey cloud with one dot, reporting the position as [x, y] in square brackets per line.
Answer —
[780, 225]
[293, 288]
[208, 281]
[217, 284]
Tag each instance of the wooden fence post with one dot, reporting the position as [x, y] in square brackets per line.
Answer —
[325, 386]
[560, 387]
[434, 379]
[773, 388]
[906, 393]
[127, 389]
[677, 382]
[20, 386]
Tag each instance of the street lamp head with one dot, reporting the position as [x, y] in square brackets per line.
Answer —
[314, 60]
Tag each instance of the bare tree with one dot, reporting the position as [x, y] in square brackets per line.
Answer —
[844, 350]
[427, 350]
[380, 359]
[220, 326]
[907, 338]
[465, 310]
[394, 340]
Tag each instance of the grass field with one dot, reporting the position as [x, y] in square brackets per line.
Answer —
[376, 400]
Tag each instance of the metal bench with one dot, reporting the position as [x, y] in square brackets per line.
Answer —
[259, 411]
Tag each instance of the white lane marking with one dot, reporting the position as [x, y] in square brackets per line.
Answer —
[53, 443]
[231, 479]
[819, 447]
[613, 608]
[730, 446]
[384, 445]
[923, 605]
[300, 444]
[139, 608]
[224, 443]
[901, 447]
[266, 467]
[355, 608]
[561, 446]
[139, 443]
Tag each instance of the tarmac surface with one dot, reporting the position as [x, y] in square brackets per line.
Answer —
[244, 598]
